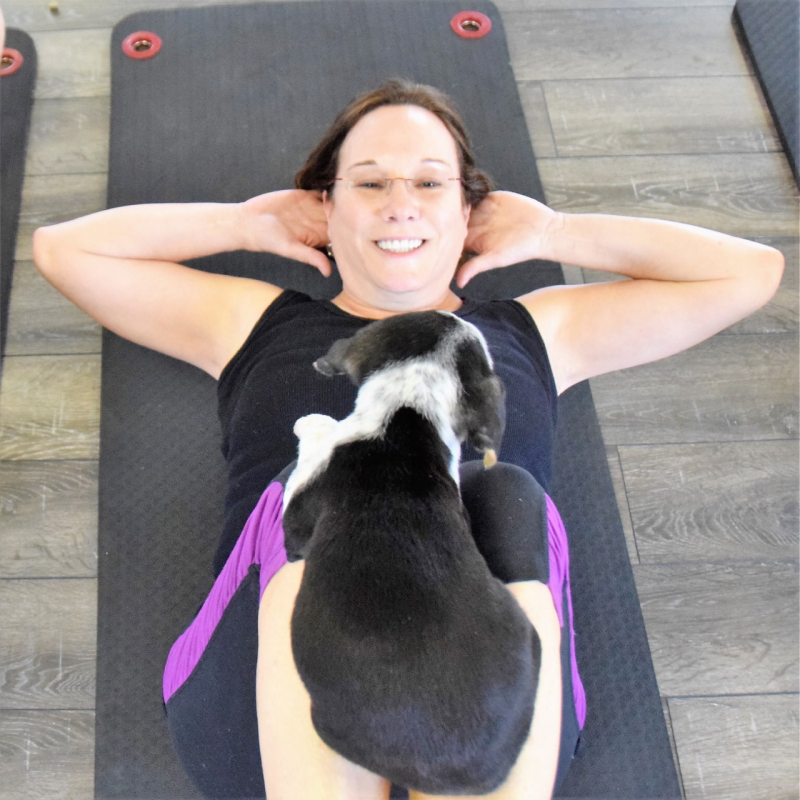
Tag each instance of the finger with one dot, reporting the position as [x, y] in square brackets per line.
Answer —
[473, 267]
[308, 255]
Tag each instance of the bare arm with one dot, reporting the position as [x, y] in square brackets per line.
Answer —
[121, 266]
[688, 283]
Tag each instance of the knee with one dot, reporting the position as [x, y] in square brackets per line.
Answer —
[511, 480]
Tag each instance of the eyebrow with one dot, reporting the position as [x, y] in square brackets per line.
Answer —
[375, 163]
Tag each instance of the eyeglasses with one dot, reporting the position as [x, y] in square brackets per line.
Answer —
[373, 186]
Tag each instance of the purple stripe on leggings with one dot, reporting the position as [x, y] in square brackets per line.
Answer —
[559, 572]
[261, 542]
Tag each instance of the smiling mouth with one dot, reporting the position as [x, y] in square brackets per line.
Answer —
[400, 245]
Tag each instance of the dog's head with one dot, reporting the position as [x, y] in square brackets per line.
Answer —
[445, 341]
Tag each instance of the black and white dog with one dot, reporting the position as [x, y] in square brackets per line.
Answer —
[420, 665]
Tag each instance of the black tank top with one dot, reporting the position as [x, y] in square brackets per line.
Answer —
[270, 382]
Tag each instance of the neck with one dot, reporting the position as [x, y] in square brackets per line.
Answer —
[396, 304]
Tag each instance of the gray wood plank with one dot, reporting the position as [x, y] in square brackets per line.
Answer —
[672, 746]
[721, 628]
[48, 199]
[585, 43]
[48, 630]
[728, 388]
[46, 754]
[737, 747]
[50, 408]
[69, 136]
[702, 502]
[620, 492]
[41, 321]
[72, 63]
[659, 116]
[49, 519]
[748, 194]
[780, 315]
[534, 106]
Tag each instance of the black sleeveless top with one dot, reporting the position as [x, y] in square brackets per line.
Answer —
[270, 382]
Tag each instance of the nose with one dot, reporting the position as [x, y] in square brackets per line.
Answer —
[400, 203]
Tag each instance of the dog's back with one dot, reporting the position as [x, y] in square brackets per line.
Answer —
[420, 664]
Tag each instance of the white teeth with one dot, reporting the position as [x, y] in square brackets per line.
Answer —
[399, 245]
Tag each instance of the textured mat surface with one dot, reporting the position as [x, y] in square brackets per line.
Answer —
[770, 30]
[16, 102]
[229, 109]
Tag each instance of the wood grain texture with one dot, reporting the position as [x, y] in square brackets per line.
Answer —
[659, 116]
[620, 492]
[728, 388]
[48, 199]
[704, 502]
[73, 63]
[721, 628]
[571, 44]
[69, 136]
[737, 747]
[748, 194]
[50, 408]
[537, 118]
[41, 321]
[48, 630]
[672, 746]
[780, 315]
[48, 519]
[46, 754]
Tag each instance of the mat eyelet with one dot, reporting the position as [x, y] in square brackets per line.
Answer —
[10, 61]
[471, 24]
[142, 44]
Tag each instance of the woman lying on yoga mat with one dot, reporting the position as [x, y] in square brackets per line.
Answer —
[393, 193]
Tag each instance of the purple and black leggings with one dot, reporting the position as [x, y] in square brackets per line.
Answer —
[210, 675]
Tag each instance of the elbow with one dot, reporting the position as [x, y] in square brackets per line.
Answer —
[770, 272]
[41, 251]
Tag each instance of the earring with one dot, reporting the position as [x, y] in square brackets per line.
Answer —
[330, 251]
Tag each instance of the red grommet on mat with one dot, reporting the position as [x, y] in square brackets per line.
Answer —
[471, 24]
[11, 61]
[142, 44]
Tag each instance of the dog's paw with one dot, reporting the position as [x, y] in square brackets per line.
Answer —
[314, 426]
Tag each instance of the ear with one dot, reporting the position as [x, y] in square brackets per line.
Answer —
[486, 414]
[482, 408]
[327, 204]
[335, 361]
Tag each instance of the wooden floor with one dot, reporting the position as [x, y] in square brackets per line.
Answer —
[636, 107]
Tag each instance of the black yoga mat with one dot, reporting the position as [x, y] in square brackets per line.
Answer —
[17, 79]
[770, 31]
[228, 109]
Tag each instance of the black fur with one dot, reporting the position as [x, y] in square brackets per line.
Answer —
[420, 664]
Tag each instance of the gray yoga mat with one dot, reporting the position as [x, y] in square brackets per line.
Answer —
[16, 102]
[770, 32]
[228, 109]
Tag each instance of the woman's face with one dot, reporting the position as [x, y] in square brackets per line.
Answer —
[399, 241]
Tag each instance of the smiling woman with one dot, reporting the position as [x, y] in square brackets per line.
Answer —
[397, 245]
[394, 191]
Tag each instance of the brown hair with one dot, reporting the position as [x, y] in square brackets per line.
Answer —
[319, 171]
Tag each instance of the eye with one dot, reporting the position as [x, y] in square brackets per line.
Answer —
[370, 183]
[428, 183]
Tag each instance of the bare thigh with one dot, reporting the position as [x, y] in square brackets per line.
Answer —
[296, 762]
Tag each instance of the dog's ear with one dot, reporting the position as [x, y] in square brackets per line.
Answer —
[335, 361]
[485, 416]
[482, 409]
